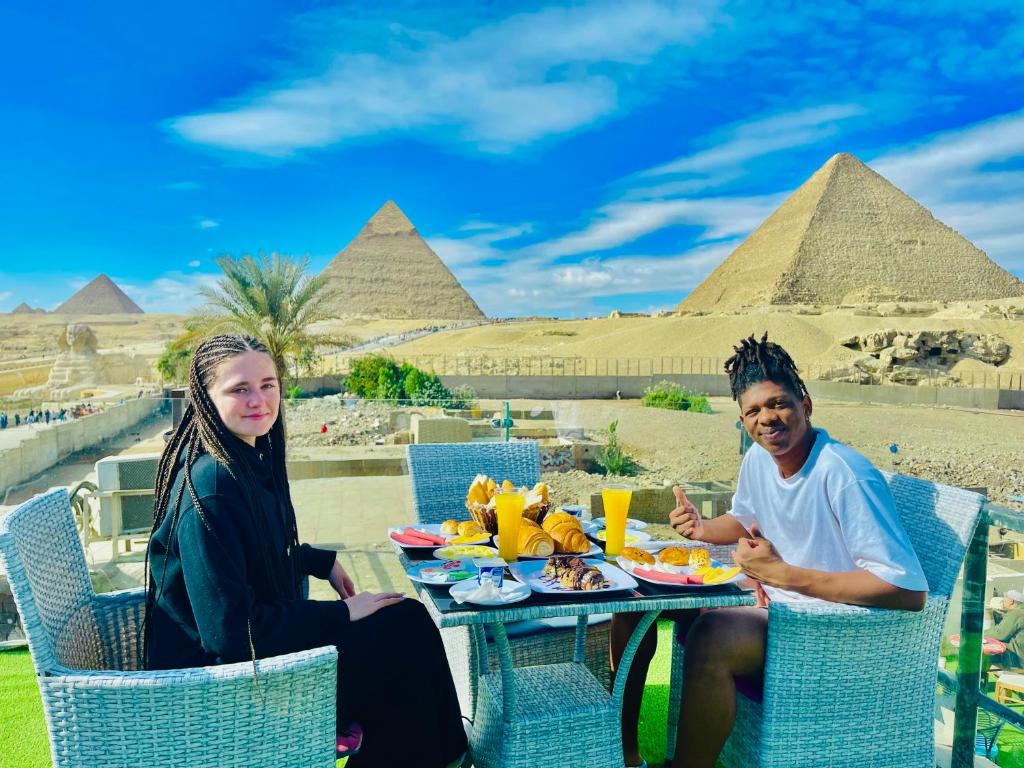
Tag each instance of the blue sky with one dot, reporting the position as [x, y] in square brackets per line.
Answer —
[562, 159]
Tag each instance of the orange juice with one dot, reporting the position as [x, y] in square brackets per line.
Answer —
[509, 509]
[616, 506]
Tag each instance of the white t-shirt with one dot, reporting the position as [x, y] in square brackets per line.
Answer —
[836, 514]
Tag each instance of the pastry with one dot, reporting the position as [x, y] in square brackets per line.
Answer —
[556, 518]
[675, 556]
[638, 555]
[449, 528]
[569, 538]
[559, 564]
[699, 558]
[468, 528]
[574, 573]
[480, 501]
[533, 541]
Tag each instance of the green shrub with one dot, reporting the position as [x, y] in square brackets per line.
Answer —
[464, 397]
[294, 392]
[172, 364]
[665, 394]
[612, 458]
[378, 377]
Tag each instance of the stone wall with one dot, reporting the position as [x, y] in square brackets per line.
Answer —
[50, 444]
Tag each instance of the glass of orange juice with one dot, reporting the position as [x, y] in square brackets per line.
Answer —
[616, 500]
[509, 508]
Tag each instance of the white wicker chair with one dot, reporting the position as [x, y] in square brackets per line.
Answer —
[102, 710]
[849, 686]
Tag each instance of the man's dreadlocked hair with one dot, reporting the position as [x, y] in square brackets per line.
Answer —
[757, 361]
[202, 429]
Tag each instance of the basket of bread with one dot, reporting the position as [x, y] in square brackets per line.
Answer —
[480, 501]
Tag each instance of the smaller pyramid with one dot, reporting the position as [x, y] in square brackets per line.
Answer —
[25, 309]
[100, 297]
[389, 271]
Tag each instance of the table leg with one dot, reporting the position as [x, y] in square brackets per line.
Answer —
[508, 678]
[627, 658]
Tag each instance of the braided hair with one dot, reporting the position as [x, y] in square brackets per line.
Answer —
[757, 361]
[202, 430]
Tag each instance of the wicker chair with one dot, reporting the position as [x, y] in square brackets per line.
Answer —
[441, 474]
[101, 710]
[845, 685]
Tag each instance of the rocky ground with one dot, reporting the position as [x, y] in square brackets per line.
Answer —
[956, 446]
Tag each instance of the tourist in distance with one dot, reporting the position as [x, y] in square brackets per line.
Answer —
[1010, 629]
[812, 520]
[225, 571]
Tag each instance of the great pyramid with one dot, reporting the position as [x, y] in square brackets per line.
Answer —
[25, 309]
[389, 271]
[847, 235]
[99, 297]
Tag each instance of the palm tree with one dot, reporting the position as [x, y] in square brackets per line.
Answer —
[270, 297]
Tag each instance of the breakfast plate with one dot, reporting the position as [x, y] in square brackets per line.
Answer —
[530, 573]
[632, 536]
[678, 576]
[441, 573]
[461, 551]
[631, 524]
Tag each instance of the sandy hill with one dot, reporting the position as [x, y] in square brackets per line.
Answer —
[25, 309]
[389, 271]
[847, 236]
[99, 297]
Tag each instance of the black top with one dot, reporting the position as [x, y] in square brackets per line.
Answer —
[210, 595]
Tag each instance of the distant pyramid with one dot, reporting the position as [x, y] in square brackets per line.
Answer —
[100, 297]
[25, 309]
[849, 236]
[390, 271]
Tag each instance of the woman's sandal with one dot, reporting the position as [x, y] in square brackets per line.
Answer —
[349, 740]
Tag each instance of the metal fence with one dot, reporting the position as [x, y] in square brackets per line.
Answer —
[485, 365]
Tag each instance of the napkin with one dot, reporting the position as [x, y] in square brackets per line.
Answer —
[486, 591]
[668, 578]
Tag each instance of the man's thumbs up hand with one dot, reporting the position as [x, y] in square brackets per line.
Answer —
[685, 518]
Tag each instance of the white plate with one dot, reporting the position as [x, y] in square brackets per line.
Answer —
[594, 551]
[530, 573]
[512, 591]
[636, 525]
[431, 528]
[630, 567]
[449, 553]
[633, 537]
[415, 573]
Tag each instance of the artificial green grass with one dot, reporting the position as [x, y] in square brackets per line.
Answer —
[22, 728]
[23, 731]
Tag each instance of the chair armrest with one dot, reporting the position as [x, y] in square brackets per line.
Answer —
[119, 618]
[827, 657]
[202, 717]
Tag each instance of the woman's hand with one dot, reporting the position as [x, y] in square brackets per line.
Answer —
[340, 581]
[365, 603]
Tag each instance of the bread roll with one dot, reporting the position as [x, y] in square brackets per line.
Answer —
[638, 555]
[469, 528]
[675, 556]
[449, 528]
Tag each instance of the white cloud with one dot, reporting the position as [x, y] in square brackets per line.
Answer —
[498, 86]
[171, 293]
[207, 223]
[968, 178]
[477, 247]
[194, 263]
[184, 186]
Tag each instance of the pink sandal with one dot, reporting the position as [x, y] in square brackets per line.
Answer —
[349, 740]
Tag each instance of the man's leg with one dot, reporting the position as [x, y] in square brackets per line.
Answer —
[621, 630]
[720, 645]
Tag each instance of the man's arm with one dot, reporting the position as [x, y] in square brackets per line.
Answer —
[759, 560]
[688, 523]
[1008, 627]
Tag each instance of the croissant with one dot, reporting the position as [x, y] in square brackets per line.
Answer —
[534, 541]
[569, 538]
[560, 518]
[449, 528]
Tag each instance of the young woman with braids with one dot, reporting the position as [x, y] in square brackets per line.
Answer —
[225, 571]
[812, 520]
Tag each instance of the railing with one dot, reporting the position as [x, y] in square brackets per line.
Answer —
[969, 695]
[666, 365]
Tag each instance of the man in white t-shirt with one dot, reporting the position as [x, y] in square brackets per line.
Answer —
[812, 520]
